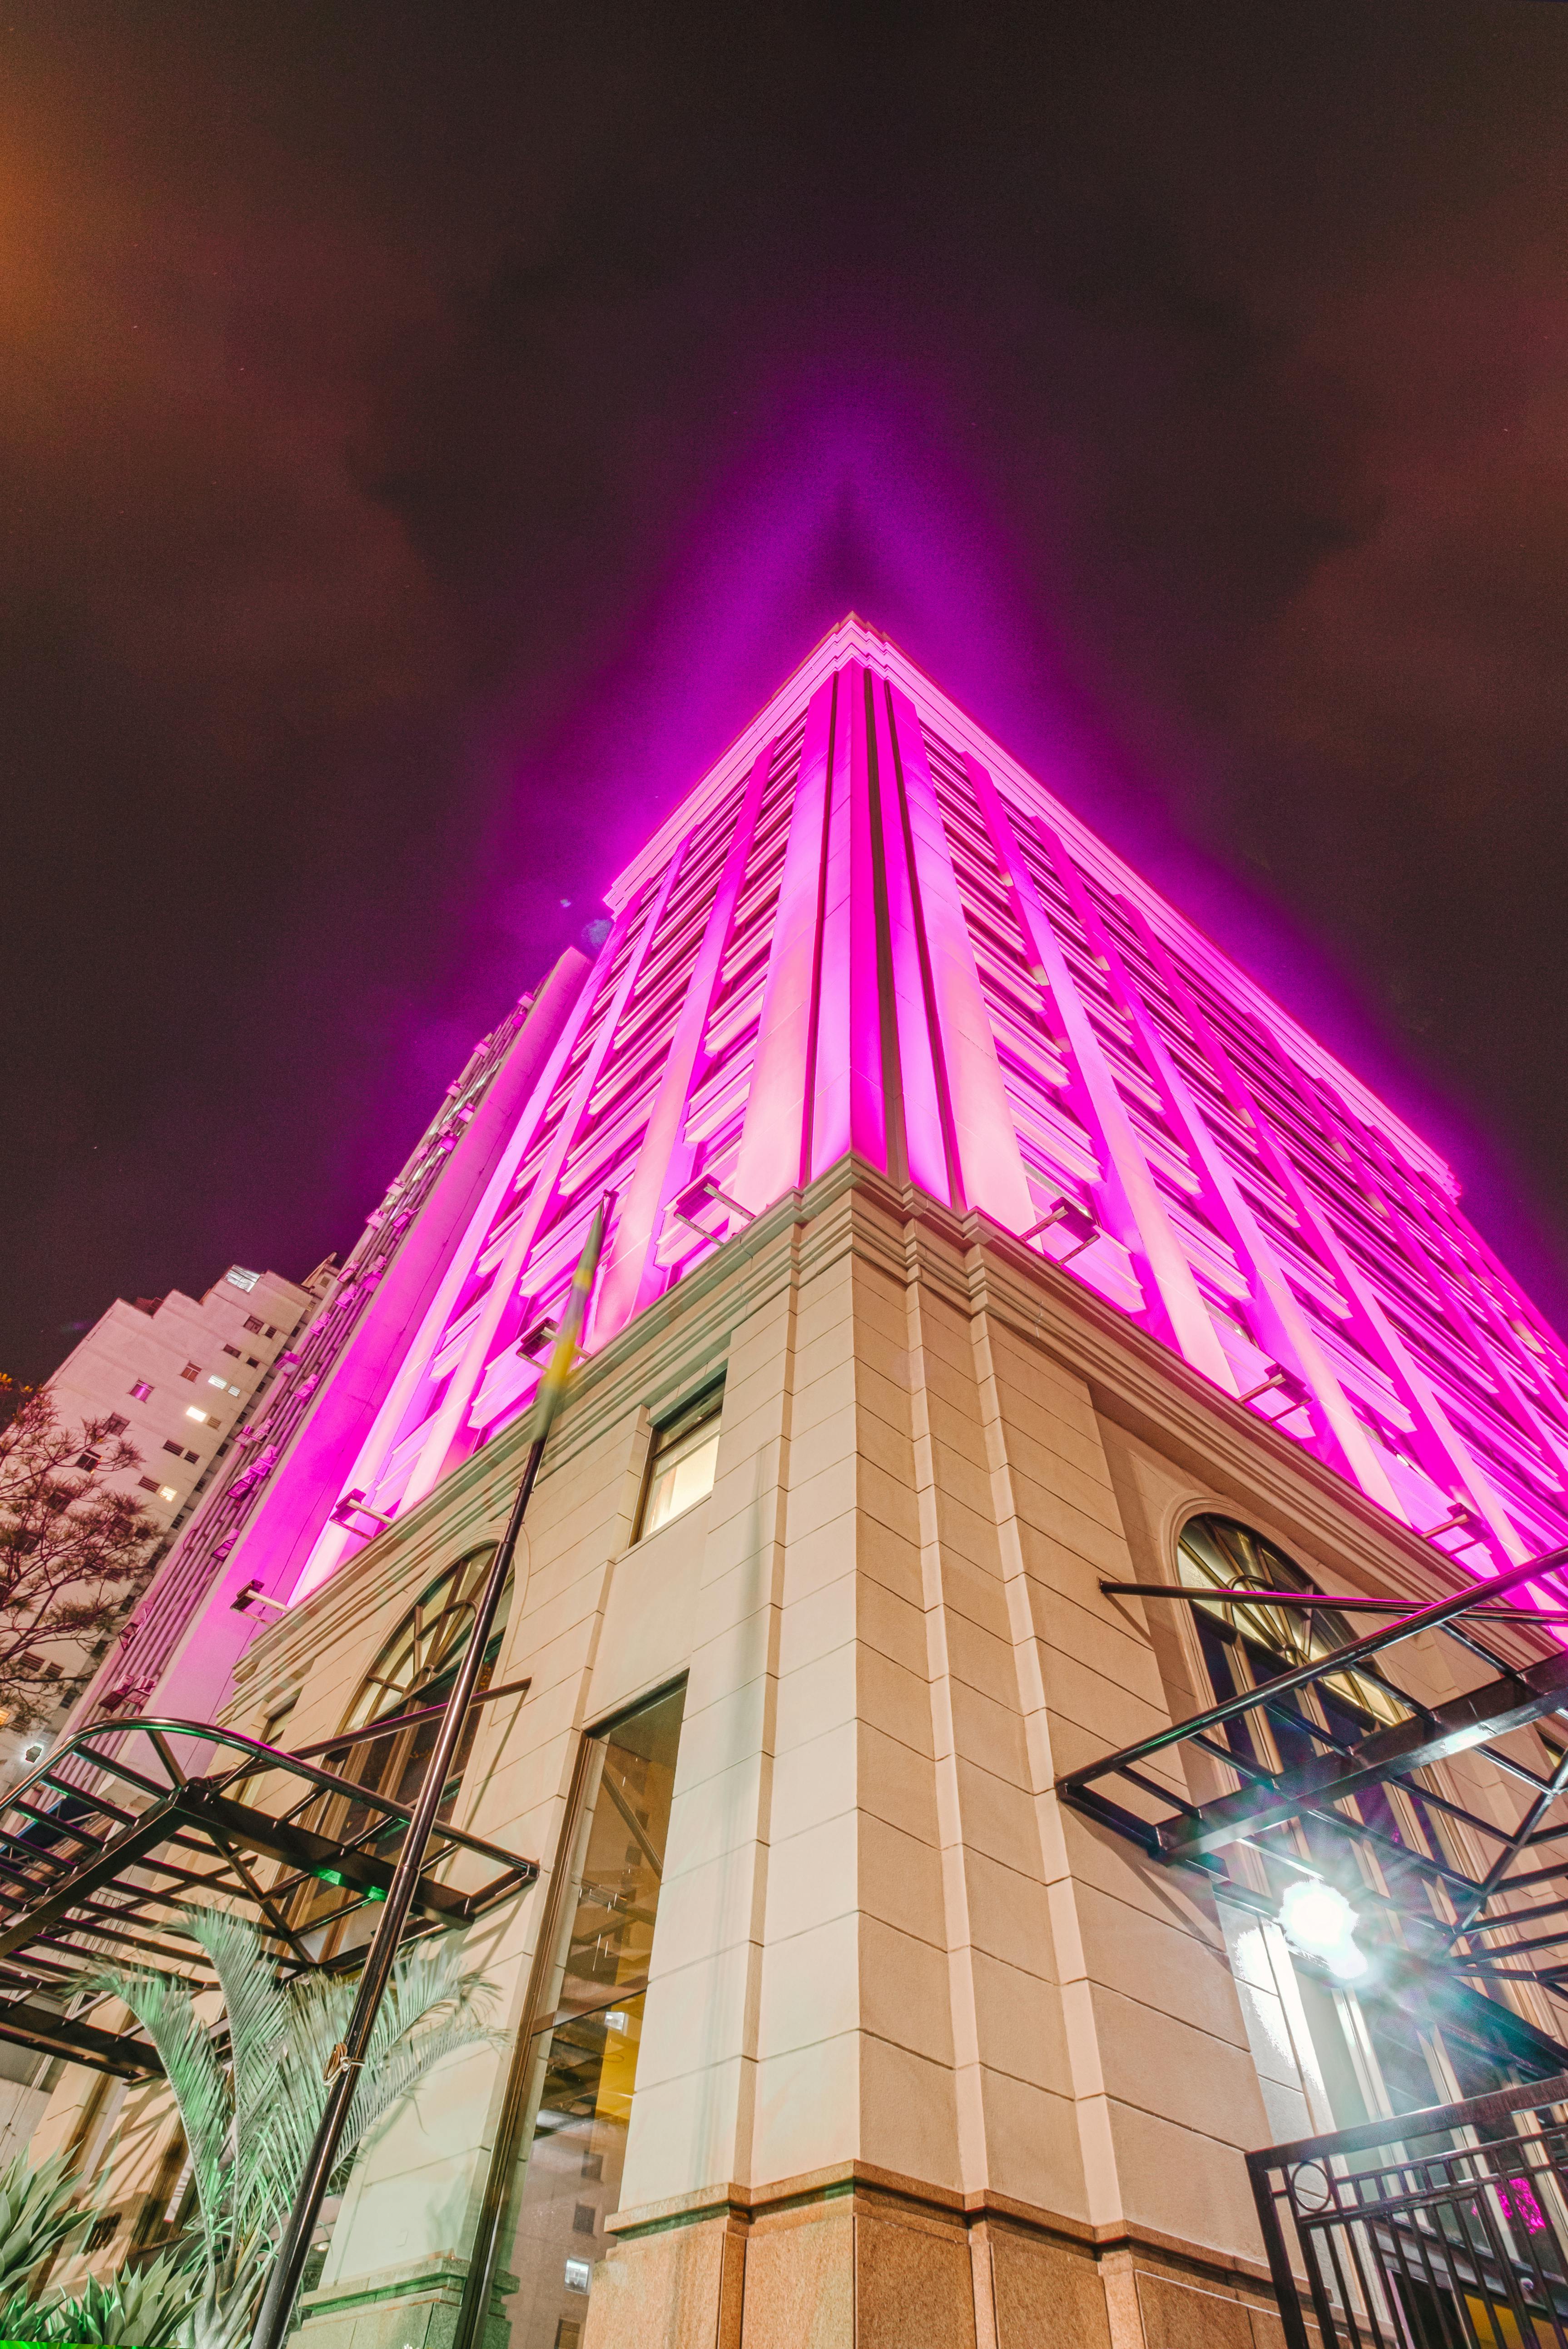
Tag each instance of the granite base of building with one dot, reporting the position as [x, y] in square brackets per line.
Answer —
[401, 2309]
[856, 2255]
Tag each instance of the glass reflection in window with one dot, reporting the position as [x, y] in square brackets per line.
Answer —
[588, 2029]
[683, 1463]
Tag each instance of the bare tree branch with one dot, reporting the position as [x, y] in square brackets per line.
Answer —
[75, 1549]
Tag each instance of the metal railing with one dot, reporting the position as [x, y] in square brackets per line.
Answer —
[1445, 2229]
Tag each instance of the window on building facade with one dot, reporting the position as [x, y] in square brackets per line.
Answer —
[141, 1390]
[273, 1726]
[1243, 1647]
[683, 1462]
[1398, 2040]
[585, 2026]
[413, 1673]
[178, 1449]
[192, 1370]
[148, 1483]
[254, 1324]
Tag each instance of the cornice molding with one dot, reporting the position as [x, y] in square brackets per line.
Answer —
[1233, 1454]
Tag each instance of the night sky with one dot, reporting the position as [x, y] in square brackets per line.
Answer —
[428, 433]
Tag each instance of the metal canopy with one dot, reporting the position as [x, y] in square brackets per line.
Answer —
[1351, 1789]
[102, 1851]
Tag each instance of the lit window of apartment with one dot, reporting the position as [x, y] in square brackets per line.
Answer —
[683, 1462]
[141, 1390]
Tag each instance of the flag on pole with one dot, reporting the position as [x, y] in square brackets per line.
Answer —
[552, 1386]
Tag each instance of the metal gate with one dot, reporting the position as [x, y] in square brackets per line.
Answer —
[1445, 2229]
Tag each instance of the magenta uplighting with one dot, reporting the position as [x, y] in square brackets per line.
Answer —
[867, 930]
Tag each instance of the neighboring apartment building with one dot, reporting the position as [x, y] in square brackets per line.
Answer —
[176, 1375]
[1009, 1314]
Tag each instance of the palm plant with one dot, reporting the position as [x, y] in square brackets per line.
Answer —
[38, 2209]
[249, 2123]
[145, 2305]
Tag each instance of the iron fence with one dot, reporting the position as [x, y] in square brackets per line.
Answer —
[1445, 2229]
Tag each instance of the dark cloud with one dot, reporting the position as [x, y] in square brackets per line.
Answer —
[426, 435]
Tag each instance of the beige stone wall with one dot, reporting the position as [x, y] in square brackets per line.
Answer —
[927, 2058]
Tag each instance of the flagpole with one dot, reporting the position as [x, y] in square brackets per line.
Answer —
[348, 2058]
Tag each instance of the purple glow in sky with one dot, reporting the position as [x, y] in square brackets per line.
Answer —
[424, 455]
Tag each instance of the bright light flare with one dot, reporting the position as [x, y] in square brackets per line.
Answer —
[1322, 1923]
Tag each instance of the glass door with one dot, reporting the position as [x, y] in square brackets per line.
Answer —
[586, 2029]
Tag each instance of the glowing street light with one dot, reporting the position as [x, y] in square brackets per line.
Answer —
[1322, 1924]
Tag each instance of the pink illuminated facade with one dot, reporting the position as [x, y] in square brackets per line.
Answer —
[868, 930]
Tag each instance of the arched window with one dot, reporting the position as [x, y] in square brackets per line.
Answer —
[396, 1713]
[1246, 1646]
[420, 1660]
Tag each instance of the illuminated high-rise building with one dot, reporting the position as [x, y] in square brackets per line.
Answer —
[868, 931]
[981, 1237]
